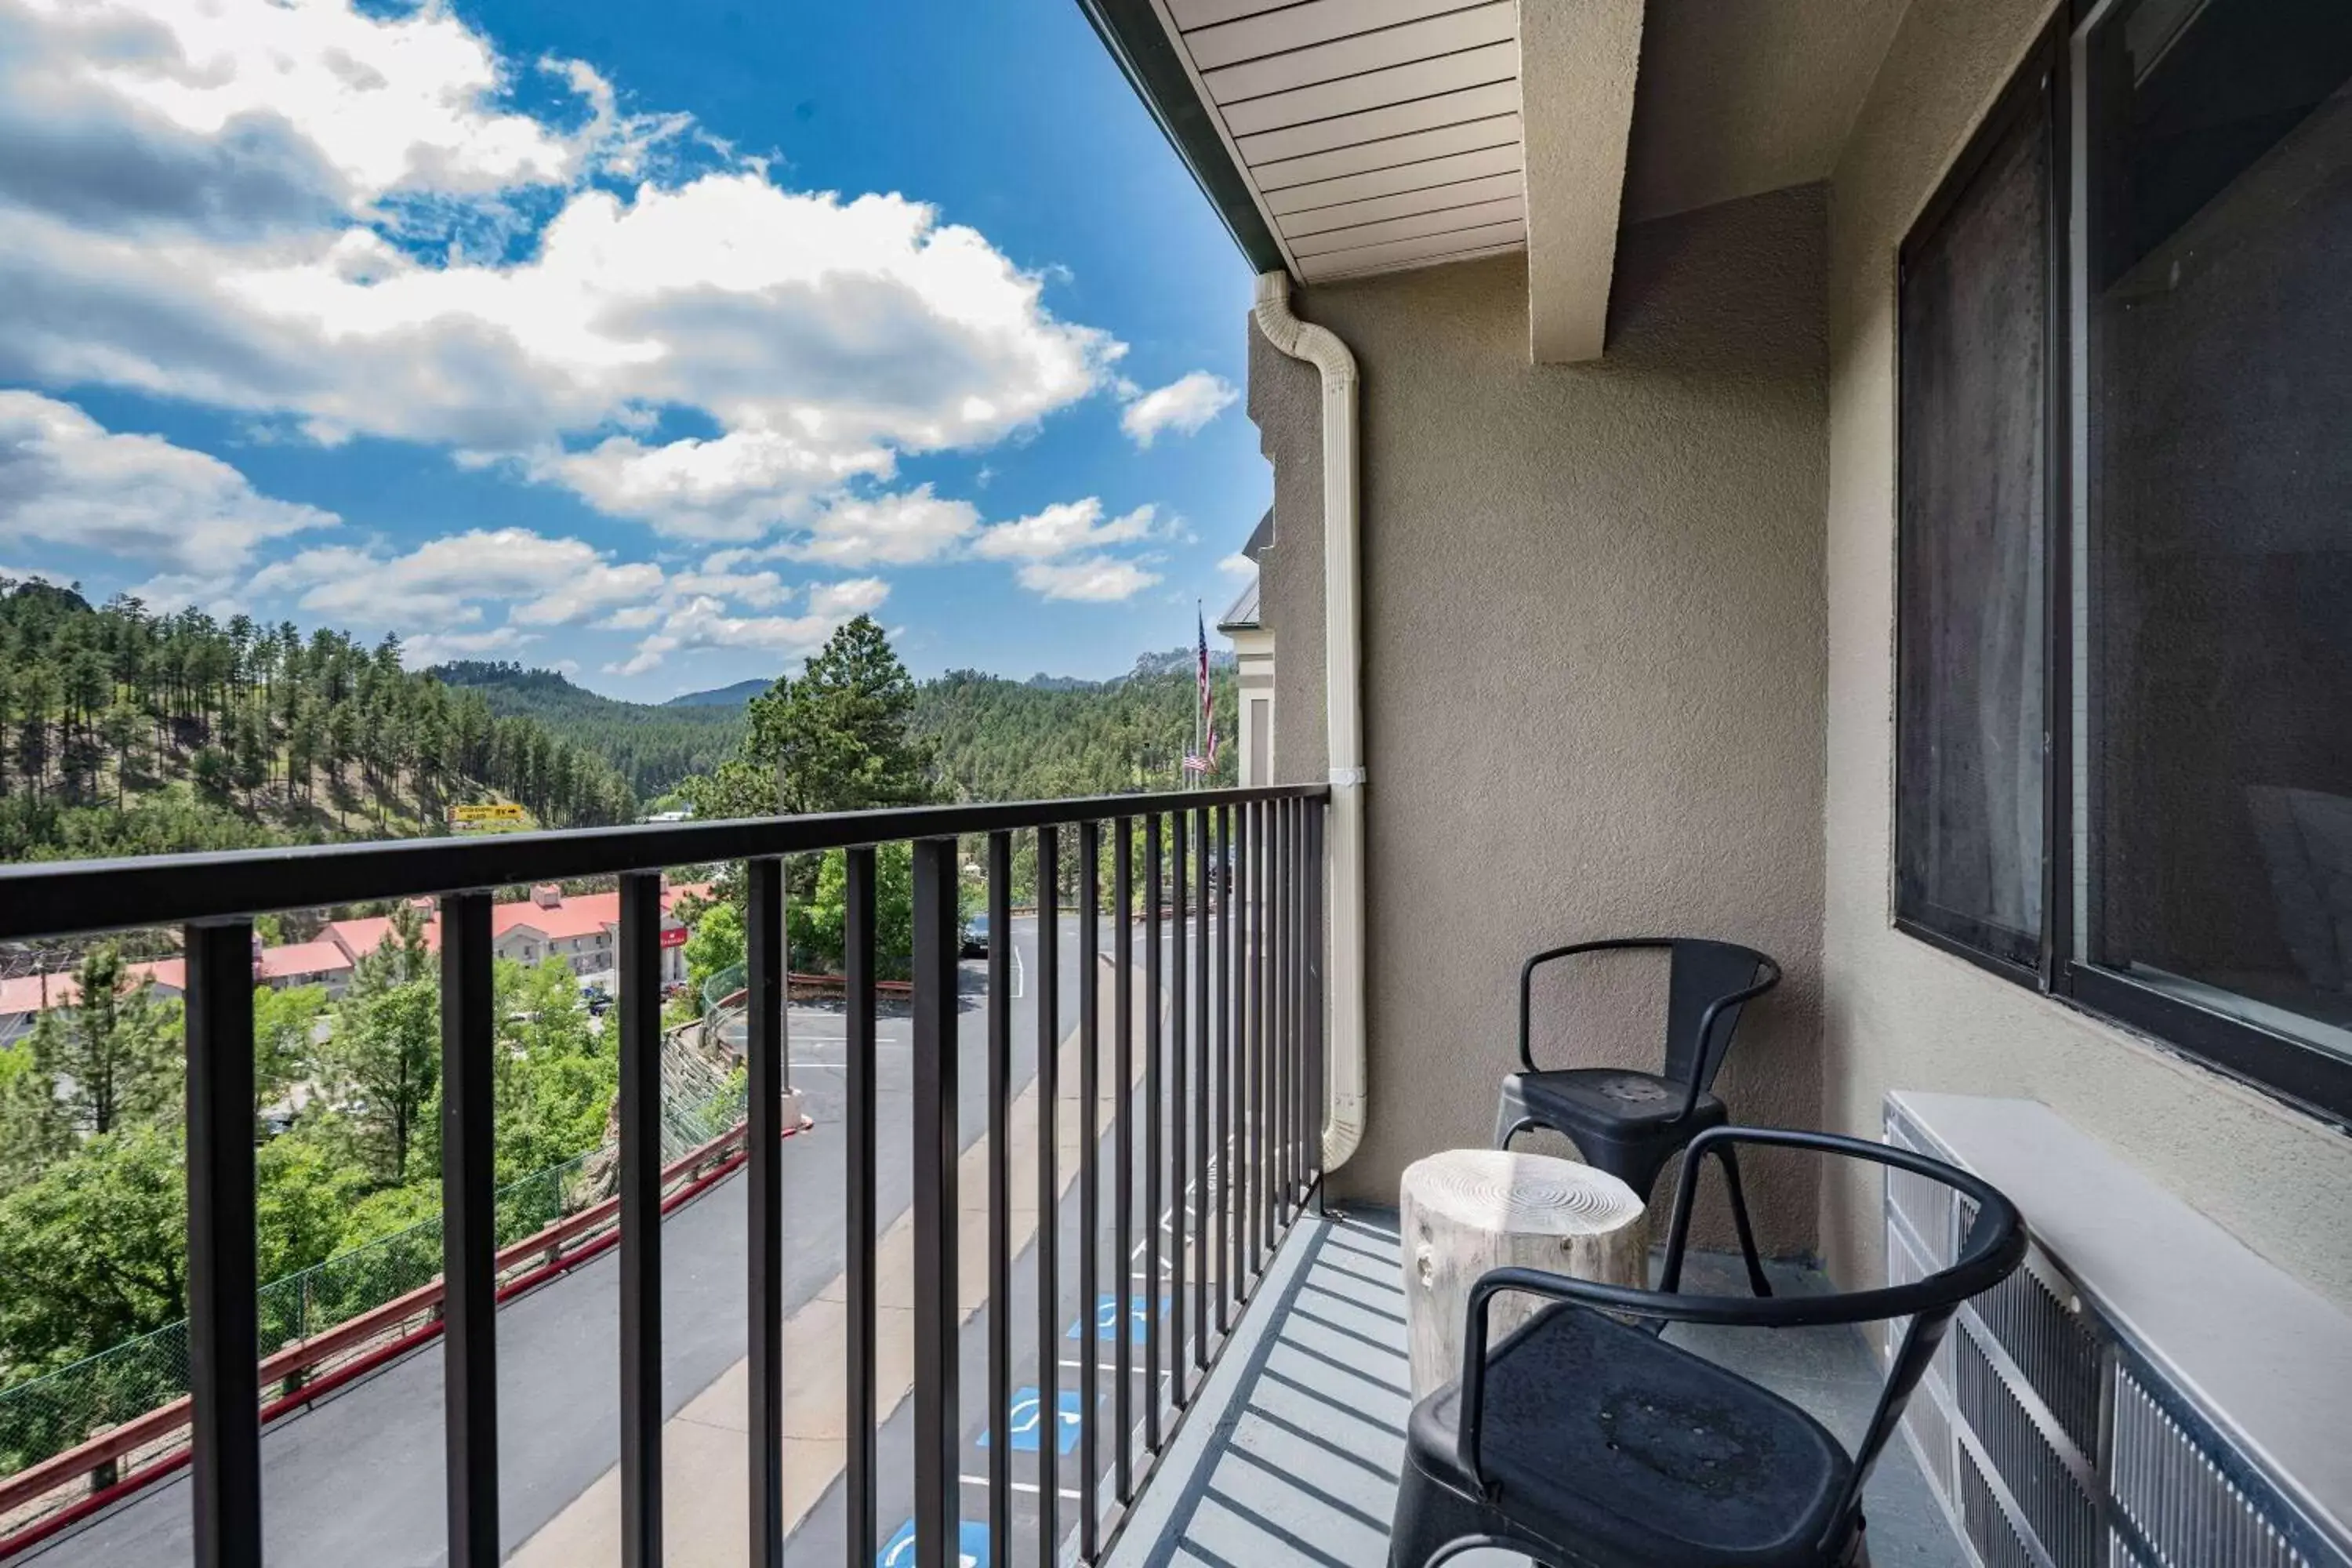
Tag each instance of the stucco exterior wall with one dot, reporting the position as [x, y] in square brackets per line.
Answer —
[1594, 660]
[1900, 1014]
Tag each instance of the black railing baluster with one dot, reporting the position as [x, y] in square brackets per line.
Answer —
[999, 1199]
[640, 1181]
[1294, 1021]
[1049, 1206]
[1315, 974]
[469, 1242]
[1265, 973]
[1122, 1098]
[1180, 1184]
[1257, 936]
[860, 1299]
[938, 1476]
[1154, 1114]
[1090, 1182]
[1278, 1046]
[224, 1326]
[763, 1137]
[1202, 1032]
[1229, 1231]
[1251, 986]
[1278, 1036]
[1295, 925]
[1285, 1000]
[1269, 892]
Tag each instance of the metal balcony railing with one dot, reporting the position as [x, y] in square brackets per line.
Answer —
[1229, 1085]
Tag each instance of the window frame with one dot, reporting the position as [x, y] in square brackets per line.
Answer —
[2310, 1079]
[2039, 84]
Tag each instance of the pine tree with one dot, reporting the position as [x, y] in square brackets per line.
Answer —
[113, 1056]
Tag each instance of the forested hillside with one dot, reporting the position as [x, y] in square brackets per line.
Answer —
[988, 738]
[994, 738]
[123, 732]
[652, 746]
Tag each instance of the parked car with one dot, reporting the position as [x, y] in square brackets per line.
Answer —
[975, 937]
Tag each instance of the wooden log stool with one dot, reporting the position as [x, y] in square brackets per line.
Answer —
[1469, 1210]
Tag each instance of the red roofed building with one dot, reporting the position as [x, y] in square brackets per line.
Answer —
[581, 928]
[25, 998]
[319, 963]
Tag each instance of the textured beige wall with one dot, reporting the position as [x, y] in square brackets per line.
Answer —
[1593, 659]
[1899, 1014]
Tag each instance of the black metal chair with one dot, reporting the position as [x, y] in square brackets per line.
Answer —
[1587, 1442]
[1632, 1124]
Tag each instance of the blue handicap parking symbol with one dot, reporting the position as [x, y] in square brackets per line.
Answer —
[972, 1546]
[1139, 1318]
[1023, 1422]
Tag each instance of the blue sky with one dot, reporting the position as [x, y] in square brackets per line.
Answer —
[644, 342]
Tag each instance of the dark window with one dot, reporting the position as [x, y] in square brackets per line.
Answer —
[2217, 533]
[2124, 662]
[1973, 544]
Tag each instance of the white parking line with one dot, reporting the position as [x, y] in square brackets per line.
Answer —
[1020, 974]
[1031, 1486]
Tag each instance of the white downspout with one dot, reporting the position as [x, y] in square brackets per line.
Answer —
[1343, 1128]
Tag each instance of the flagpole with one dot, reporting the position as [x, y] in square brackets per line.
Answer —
[1200, 619]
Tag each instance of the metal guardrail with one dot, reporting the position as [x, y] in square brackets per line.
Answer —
[1243, 1074]
[368, 1339]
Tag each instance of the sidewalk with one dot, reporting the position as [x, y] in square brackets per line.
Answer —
[705, 1447]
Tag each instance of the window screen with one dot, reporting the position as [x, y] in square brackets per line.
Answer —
[1973, 481]
[2218, 734]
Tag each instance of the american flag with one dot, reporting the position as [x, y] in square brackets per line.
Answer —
[1205, 761]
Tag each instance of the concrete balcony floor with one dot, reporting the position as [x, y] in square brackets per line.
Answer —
[1291, 1458]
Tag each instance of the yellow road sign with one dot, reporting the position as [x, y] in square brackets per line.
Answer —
[505, 811]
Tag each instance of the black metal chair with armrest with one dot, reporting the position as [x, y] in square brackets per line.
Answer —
[1587, 1442]
[1630, 1123]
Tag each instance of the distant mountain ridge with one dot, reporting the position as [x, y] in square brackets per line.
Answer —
[654, 746]
[998, 738]
[734, 696]
[1174, 662]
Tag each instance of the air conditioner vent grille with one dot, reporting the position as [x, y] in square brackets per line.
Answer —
[1926, 1206]
[2190, 1514]
[2062, 1514]
[2053, 1349]
[1931, 1430]
[1986, 1527]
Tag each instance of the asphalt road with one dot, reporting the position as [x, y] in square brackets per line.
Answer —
[357, 1480]
[1046, 1449]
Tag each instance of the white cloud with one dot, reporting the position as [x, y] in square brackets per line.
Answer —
[68, 482]
[438, 647]
[309, 210]
[901, 530]
[1183, 404]
[1237, 565]
[702, 622]
[1060, 529]
[1100, 579]
[736, 486]
[761, 590]
[849, 599]
[442, 583]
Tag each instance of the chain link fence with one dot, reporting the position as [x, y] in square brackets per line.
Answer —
[51, 1412]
